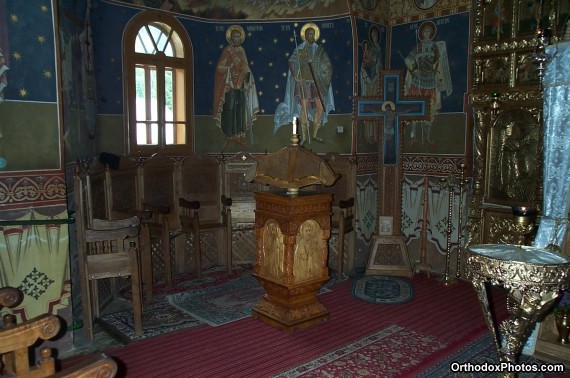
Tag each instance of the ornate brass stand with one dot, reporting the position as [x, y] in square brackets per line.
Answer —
[462, 183]
[533, 277]
[423, 264]
[446, 279]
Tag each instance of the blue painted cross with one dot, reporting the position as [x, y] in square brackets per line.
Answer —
[391, 108]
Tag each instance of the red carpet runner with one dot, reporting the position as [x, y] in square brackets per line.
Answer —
[250, 348]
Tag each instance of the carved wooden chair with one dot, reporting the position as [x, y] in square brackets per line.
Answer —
[16, 340]
[239, 190]
[102, 254]
[243, 204]
[157, 199]
[122, 188]
[202, 206]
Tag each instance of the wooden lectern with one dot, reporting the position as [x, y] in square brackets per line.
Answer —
[292, 234]
[292, 230]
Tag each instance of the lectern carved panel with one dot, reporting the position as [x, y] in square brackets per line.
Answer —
[272, 251]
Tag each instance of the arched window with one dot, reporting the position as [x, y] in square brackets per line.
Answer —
[158, 81]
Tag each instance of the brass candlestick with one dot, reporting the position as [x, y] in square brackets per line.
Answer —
[423, 264]
[462, 182]
[448, 183]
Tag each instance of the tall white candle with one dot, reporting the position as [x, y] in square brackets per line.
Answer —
[294, 125]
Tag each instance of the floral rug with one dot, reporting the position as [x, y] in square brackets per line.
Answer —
[159, 316]
[228, 302]
[386, 353]
[215, 299]
[479, 352]
[221, 304]
[383, 289]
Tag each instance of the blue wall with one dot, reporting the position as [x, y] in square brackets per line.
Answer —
[267, 46]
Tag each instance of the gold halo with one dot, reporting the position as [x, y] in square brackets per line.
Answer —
[370, 33]
[388, 103]
[310, 25]
[424, 25]
[229, 34]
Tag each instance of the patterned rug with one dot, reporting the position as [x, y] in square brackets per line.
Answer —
[387, 353]
[159, 316]
[228, 302]
[383, 289]
[217, 298]
[479, 352]
[221, 304]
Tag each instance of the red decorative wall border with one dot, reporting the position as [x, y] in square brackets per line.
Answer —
[28, 190]
[431, 164]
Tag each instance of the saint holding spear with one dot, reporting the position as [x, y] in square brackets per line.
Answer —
[308, 94]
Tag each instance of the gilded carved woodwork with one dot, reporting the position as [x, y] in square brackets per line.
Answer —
[504, 72]
[506, 231]
[533, 278]
[512, 157]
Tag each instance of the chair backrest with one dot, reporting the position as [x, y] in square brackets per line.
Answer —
[157, 180]
[238, 189]
[200, 180]
[93, 178]
[105, 247]
[344, 188]
[123, 187]
[94, 235]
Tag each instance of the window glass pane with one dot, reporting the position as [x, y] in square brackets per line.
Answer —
[146, 93]
[147, 133]
[179, 102]
[168, 94]
[175, 133]
[143, 42]
[159, 36]
[169, 133]
[154, 38]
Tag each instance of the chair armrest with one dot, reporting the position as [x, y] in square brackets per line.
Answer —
[125, 214]
[194, 205]
[10, 297]
[25, 334]
[104, 229]
[345, 204]
[105, 224]
[101, 366]
[158, 209]
[226, 201]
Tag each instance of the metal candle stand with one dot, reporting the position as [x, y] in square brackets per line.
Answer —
[423, 264]
[452, 182]
[462, 184]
